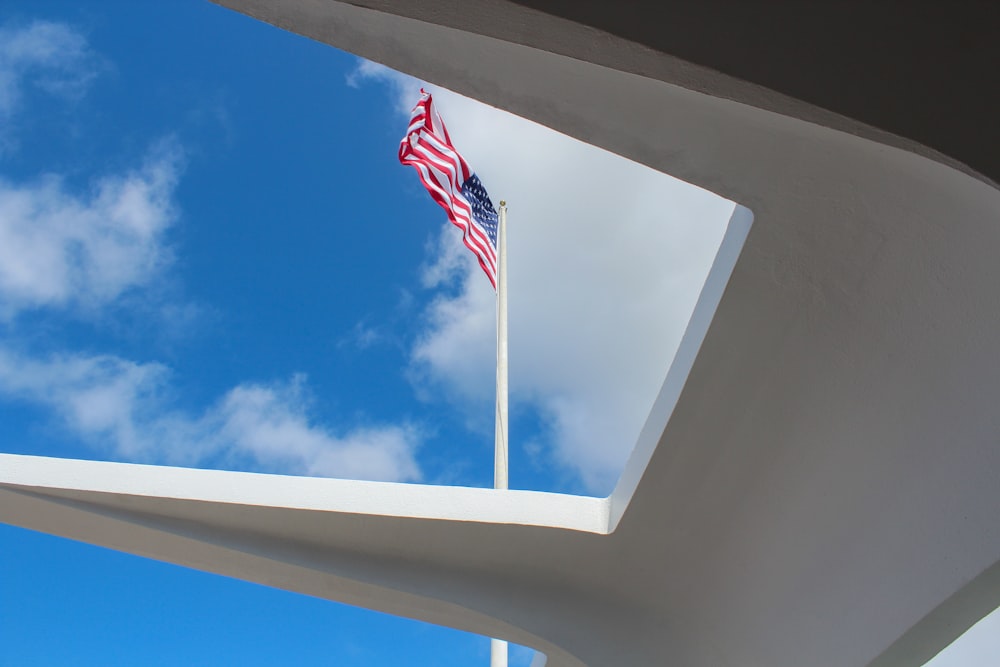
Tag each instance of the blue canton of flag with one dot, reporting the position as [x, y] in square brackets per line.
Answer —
[482, 207]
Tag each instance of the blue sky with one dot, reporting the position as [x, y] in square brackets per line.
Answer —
[210, 257]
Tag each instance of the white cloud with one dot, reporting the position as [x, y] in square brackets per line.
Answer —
[405, 88]
[55, 56]
[270, 423]
[123, 409]
[59, 249]
[607, 258]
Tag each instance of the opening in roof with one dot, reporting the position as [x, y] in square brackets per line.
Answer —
[607, 260]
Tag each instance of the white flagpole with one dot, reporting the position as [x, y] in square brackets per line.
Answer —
[500, 441]
[498, 647]
[498, 653]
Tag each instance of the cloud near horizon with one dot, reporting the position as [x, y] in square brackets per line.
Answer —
[123, 409]
[607, 259]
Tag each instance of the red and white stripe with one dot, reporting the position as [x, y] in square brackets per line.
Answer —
[427, 148]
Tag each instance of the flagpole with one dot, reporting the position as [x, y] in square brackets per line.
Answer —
[498, 647]
[500, 441]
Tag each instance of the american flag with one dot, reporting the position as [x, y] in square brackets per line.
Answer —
[447, 177]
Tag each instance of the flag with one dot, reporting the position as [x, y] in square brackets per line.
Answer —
[451, 183]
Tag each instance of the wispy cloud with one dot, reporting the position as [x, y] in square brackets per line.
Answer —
[607, 258]
[403, 88]
[126, 410]
[53, 57]
[61, 249]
